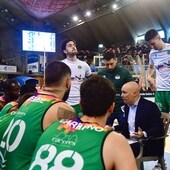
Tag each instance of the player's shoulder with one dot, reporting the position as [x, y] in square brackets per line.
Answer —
[115, 138]
[62, 104]
[167, 47]
[64, 60]
[81, 62]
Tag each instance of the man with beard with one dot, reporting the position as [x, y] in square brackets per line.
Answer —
[85, 143]
[80, 70]
[34, 116]
[28, 89]
[118, 76]
[11, 90]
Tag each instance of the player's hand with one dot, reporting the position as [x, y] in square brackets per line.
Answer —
[139, 133]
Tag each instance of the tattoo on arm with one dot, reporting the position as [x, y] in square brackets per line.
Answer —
[63, 113]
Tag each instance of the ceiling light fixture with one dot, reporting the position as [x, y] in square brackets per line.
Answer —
[100, 46]
[75, 18]
[114, 6]
[88, 14]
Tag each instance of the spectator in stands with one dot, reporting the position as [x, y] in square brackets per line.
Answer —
[79, 71]
[142, 120]
[118, 76]
[85, 143]
[25, 92]
[34, 116]
[11, 90]
[159, 58]
[88, 58]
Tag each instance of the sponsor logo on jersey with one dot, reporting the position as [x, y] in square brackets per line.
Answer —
[71, 126]
[117, 76]
[164, 67]
[64, 139]
[80, 67]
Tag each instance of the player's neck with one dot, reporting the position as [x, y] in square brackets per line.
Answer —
[53, 91]
[98, 120]
[163, 45]
[72, 58]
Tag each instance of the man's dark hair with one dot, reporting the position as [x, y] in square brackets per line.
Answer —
[97, 95]
[9, 84]
[63, 45]
[109, 55]
[55, 72]
[24, 97]
[11, 89]
[27, 88]
[151, 34]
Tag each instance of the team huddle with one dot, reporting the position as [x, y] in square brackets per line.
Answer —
[63, 126]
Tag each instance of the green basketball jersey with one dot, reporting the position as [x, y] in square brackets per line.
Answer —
[7, 107]
[119, 76]
[70, 144]
[19, 140]
[4, 122]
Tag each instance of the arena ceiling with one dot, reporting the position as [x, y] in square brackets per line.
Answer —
[131, 19]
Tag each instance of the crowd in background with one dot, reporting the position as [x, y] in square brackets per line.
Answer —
[127, 54]
[134, 58]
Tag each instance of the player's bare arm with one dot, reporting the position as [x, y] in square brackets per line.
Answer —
[116, 149]
[151, 80]
[56, 112]
[65, 113]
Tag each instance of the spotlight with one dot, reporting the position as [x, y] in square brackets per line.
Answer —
[100, 46]
[88, 14]
[114, 6]
[75, 18]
